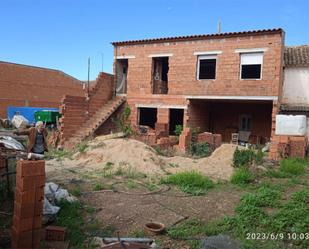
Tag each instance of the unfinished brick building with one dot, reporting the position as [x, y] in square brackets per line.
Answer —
[222, 83]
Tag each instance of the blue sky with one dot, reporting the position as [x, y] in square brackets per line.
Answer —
[62, 34]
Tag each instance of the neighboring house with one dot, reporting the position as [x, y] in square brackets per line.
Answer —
[23, 85]
[222, 83]
[295, 99]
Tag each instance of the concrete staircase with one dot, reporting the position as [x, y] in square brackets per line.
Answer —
[94, 122]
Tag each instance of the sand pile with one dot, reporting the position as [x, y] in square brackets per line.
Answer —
[129, 153]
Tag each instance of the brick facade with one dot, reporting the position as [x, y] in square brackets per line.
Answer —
[22, 85]
[184, 88]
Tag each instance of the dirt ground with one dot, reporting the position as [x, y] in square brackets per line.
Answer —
[129, 209]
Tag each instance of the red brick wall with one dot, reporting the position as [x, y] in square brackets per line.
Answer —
[182, 66]
[77, 110]
[74, 114]
[22, 85]
[223, 117]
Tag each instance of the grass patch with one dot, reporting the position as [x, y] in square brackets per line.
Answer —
[242, 176]
[293, 166]
[190, 182]
[131, 185]
[127, 171]
[81, 147]
[200, 149]
[69, 216]
[76, 191]
[97, 187]
[59, 155]
[139, 233]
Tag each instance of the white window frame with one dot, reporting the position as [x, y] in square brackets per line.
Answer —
[205, 57]
[240, 64]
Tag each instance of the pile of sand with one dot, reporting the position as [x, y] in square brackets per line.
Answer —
[141, 158]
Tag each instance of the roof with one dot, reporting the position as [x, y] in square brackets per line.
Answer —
[296, 56]
[199, 37]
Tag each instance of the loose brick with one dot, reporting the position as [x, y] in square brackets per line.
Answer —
[55, 233]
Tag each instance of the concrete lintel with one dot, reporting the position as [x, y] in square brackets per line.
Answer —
[214, 52]
[270, 98]
[125, 57]
[161, 55]
[160, 105]
[250, 50]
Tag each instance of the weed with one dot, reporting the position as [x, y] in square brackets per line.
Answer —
[69, 216]
[276, 173]
[169, 152]
[76, 192]
[241, 176]
[190, 182]
[200, 150]
[127, 171]
[138, 233]
[292, 166]
[122, 121]
[131, 185]
[178, 130]
[151, 186]
[108, 166]
[81, 147]
[242, 158]
[258, 158]
[59, 155]
[98, 187]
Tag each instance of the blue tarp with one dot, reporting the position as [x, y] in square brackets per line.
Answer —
[27, 112]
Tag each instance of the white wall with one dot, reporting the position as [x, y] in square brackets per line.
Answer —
[296, 86]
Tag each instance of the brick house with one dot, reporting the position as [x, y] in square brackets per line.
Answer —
[222, 83]
[24, 85]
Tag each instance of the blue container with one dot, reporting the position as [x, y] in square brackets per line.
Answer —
[27, 112]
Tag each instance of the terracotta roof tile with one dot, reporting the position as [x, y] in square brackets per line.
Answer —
[296, 56]
[198, 37]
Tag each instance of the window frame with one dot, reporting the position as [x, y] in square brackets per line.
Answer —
[205, 57]
[240, 65]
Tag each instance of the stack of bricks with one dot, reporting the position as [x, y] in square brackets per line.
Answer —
[185, 139]
[283, 146]
[28, 204]
[214, 140]
[167, 142]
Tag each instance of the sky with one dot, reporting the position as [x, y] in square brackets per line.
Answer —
[63, 34]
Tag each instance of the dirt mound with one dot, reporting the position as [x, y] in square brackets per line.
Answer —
[122, 153]
[136, 157]
[217, 166]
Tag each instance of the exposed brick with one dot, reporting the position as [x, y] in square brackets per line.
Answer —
[30, 182]
[30, 168]
[55, 233]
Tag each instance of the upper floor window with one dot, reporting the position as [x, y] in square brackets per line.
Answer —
[251, 65]
[206, 67]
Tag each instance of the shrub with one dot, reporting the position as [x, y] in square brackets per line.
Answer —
[122, 121]
[292, 166]
[243, 158]
[178, 130]
[190, 182]
[241, 176]
[200, 150]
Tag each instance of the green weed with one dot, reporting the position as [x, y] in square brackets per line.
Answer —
[190, 182]
[241, 176]
[293, 166]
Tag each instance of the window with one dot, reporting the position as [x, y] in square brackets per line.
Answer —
[206, 67]
[251, 65]
[148, 117]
